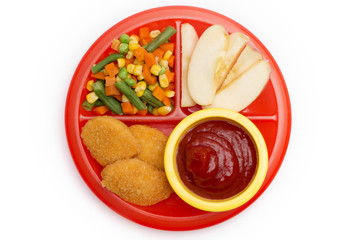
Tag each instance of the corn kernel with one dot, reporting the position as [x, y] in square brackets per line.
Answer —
[129, 75]
[136, 61]
[130, 68]
[133, 46]
[140, 93]
[155, 69]
[154, 33]
[163, 80]
[129, 55]
[155, 111]
[140, 86]
[167, 54]
[170, 94]
[90, 85]
[105, 72]
[140, 77]
[138, 70]
[134, 38]
[92, 97]
[124, 98]
[164, 63]
[121, 62]
[152, 87]
[164, 110]
[135, 110]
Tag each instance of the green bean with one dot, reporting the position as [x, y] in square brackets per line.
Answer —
[98, 67]
[110, 102]
[160, 39]
[124, 38]
[98, 103]
[88, 106]
[150, 108]
[150, 99]
[130, 94]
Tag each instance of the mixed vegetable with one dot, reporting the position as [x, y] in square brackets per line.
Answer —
[136, 77]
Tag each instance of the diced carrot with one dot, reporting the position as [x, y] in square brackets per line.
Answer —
[170, 87]
[153, 79]
[158, 53]
[110, 80]
[115, 44]
[171, 61]
[101, 110]
[99, 75]
[170, 75]
[146, 73]
[142, 112]
[144, 41]
[150, 59]
[166, 101]
[167, 46]
[139, 53]
[127, 108]
[118, 97]
[128, 61]
[111, 90]
[112, 69]
[158, 93]
[144, 32]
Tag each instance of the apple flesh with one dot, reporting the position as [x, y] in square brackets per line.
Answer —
[243, 90]
[248, 58]
[209, 52]
[237, 42]
[189, 40]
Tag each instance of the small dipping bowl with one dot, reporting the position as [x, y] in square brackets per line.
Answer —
[170, 162]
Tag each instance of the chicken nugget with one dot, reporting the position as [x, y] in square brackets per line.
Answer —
[136, 182]
[109, 140]
[152, 142]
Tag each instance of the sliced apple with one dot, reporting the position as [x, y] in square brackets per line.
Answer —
[207, 55]
[189, 40]
[248, 57]
[242, 91]
[237, 42]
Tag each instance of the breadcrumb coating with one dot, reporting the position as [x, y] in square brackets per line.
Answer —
[136, 182]
[109, 140]
[152, 142]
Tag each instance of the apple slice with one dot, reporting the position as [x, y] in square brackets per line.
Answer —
[189, 40]
[207, 55]
[248, 57]
[237, 42]
[242, 91]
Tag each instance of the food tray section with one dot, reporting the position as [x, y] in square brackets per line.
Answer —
[270, 112]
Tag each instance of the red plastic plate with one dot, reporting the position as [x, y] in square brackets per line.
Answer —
[270, 112]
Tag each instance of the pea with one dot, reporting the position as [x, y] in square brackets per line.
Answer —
[124, 38]
[123, 73]
[123, 48]
[130, 82]
[163, 70]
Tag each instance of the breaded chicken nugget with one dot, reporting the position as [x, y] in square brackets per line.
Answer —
[136, 182]
[109, 140]
[153, 143]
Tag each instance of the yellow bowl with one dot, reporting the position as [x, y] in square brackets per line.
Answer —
[185, 193]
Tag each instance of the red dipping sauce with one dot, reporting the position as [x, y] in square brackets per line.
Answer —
[216, 159]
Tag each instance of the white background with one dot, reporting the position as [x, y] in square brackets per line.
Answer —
[312, 196]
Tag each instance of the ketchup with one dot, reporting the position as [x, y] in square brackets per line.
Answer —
[216, 159]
